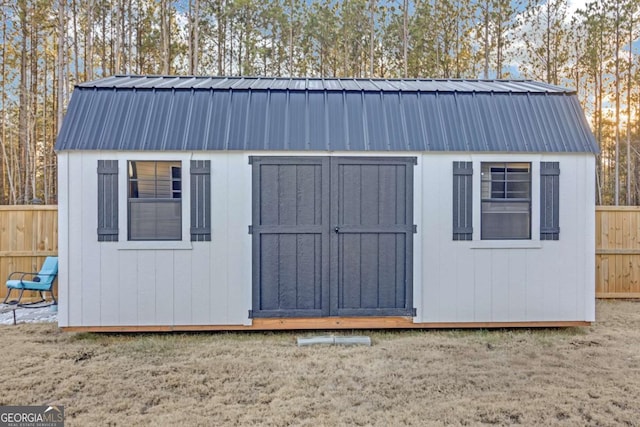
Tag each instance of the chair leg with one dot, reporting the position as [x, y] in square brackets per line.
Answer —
[31, 304]
[20, 297]
[16, 302]
[6, 298]
[38, 304]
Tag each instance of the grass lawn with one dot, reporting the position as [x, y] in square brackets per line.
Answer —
[574, 376]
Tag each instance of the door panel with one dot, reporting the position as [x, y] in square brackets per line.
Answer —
[372, 218]
[332, 236]
[290, 244]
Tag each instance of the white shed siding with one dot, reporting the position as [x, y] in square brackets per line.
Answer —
[209, 283]
[155, 283]
[480, 281]
[63, 240]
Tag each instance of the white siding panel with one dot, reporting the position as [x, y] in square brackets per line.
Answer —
[182, 283]
[417, 237]
[76, 240]
[588, 276]
[127, 268]
[432, 231]
[201, 278]
[517, 285]
[239, 243]
[164, 287]
[465, 288]
[63, 239]
[500, 285]
[481, 261]
[218, 250]
[519, 281]
[535, 292]
[448, 299]
[109, 285]
[91, 272]
[147, 282]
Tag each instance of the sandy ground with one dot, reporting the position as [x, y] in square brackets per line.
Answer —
[576, 376]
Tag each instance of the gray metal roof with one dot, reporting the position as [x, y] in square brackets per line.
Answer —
[241, 113]
[313, 84]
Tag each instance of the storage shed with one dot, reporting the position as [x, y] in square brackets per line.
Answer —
[205, 203]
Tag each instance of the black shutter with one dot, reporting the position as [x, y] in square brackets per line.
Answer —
[549, 200]
[200, 200]
[462, 200]
[107, 200]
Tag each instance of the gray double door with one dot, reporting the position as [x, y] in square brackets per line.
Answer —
[332, 236]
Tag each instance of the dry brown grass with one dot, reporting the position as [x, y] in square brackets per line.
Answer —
[576, 376]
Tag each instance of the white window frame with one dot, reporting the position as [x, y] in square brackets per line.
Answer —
[491, 180]
[534, 242]
[123, 205]
[136, 200]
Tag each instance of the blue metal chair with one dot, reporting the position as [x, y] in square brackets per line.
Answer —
[41, 281]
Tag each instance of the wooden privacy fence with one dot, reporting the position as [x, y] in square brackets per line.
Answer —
[28, 234]
[617, 252]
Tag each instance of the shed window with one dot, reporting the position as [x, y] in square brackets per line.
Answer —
[506, 201]
[155, 200]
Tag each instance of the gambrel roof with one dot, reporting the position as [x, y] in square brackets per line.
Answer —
[303, 114]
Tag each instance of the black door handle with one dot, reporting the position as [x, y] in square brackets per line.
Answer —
[337, 229]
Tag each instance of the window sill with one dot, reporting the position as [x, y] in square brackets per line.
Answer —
[506, 244]
[155, 246]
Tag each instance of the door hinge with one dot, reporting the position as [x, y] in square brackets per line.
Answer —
[251, 229]
[415, 229]
[251, 314]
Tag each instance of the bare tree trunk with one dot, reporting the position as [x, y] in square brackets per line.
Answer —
[32, 122]
[190, 26]
[129, 36]
[196, 40]
[7, 165]
[60, 71]
[231, 28]
[405, 37]
[291, 39]
[44, 154]
[194, 35]
[114, 50]
[220, 22]
[139, 39]
[486, 40]
[88, 52]
[372, 31]
[104, 44]
[548, 42]
[617, 100]
[23, 136]
[629, 82]
[4, 169]
[74, 12]
[165, 17]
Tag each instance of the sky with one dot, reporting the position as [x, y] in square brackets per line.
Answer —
[575, 5]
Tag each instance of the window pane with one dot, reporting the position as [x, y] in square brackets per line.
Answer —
[509, 220]
[155, 206]
[502, 216]
[154, 180]
[155, 220]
